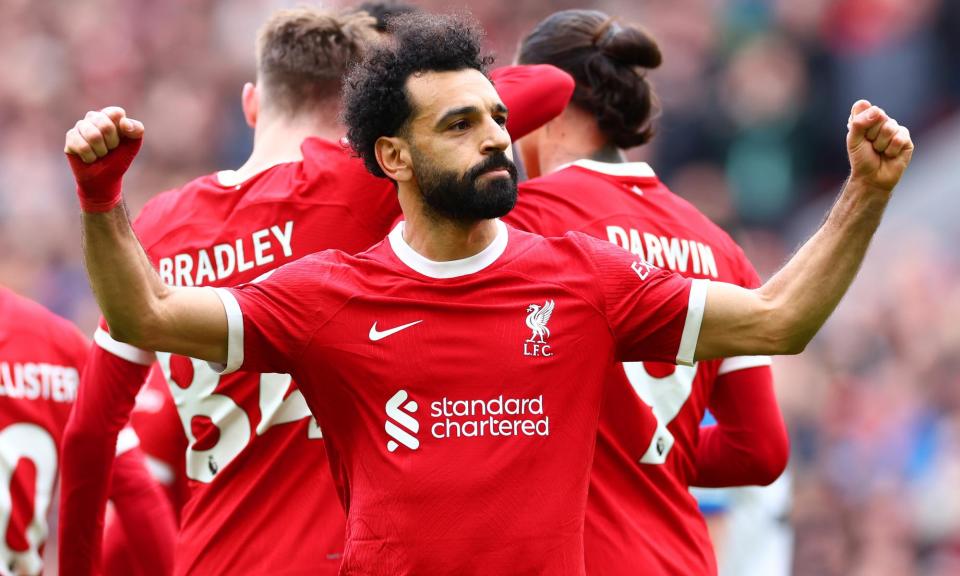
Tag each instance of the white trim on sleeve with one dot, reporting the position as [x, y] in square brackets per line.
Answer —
[121, 350]
[691, 328]
[234, 333]
[127, 440]
[742, 363]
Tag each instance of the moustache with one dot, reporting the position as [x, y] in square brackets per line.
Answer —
[498, 161]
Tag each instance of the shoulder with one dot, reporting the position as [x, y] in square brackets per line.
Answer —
[572, 254]
[556, 182]
[334, 160]
[31, 321]
[325, 272]
[738, 268]
[170, 206]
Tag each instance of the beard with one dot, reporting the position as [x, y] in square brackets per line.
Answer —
[465, 198]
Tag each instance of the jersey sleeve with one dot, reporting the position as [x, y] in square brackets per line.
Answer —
[654, 314]
[533, 95]
[146, 527]
[271, 320]
[162, 438]
[749, 444]
[108, 388]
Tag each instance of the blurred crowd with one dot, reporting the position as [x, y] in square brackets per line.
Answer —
[754, 96]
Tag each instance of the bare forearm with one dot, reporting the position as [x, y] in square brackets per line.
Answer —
[139, 308]
[124, 283]
[783, 315]
[806, 291]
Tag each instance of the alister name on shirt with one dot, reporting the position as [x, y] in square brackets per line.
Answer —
[677, 254]
[208, 265]
[38, 381]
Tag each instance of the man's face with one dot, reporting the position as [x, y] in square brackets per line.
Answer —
[459, 146]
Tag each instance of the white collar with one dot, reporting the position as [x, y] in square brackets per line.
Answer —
[621, 169]
[451, 268]
[231, 178]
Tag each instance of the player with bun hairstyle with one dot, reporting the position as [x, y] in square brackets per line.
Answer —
[641, 517]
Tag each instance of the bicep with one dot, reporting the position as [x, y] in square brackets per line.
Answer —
[191, 322]
[736, 322]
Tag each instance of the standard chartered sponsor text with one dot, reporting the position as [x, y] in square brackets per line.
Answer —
[498, 416]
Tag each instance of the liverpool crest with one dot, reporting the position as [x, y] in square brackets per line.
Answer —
[537, 318]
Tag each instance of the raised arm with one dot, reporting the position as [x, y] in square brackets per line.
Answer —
[140, 309]
[783, 315]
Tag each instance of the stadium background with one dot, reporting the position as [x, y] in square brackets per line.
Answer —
[755, 96]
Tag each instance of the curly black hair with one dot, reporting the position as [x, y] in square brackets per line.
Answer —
[375, 99]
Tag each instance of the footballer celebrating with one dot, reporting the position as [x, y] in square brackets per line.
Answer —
[250, 439]
[450, 463]
[641, 517]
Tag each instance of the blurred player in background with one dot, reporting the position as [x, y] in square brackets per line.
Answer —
[41, 358]
[250, 439]
[492, 495]
[157, 423]
[255, 458]
[641, 517]
[750, 525]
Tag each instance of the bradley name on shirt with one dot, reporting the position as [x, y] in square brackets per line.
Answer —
[205, 266]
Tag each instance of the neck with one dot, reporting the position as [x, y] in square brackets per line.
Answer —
[276, 141]
[574, 135]
[610, 154]
[441, 239]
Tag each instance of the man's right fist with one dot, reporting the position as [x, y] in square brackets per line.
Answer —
[100, 148]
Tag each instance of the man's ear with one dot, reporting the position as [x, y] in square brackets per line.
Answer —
[250, 101]
[393, 156]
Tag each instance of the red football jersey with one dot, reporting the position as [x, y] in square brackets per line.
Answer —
[41, 356]
[251, 441]
[459, 400]
[641, 518]
[157, 423]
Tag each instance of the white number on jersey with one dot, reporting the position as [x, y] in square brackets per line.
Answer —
[198, 399]
[666, 396]
[30, 442]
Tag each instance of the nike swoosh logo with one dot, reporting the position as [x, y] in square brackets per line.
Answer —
[378, 335]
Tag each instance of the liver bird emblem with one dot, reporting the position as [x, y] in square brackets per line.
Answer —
[537, 319]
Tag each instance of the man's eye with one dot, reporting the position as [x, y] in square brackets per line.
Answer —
[460, 125]
[501, 120]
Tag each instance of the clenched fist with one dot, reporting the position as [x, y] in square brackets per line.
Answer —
[100, 148]
[878, 147]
